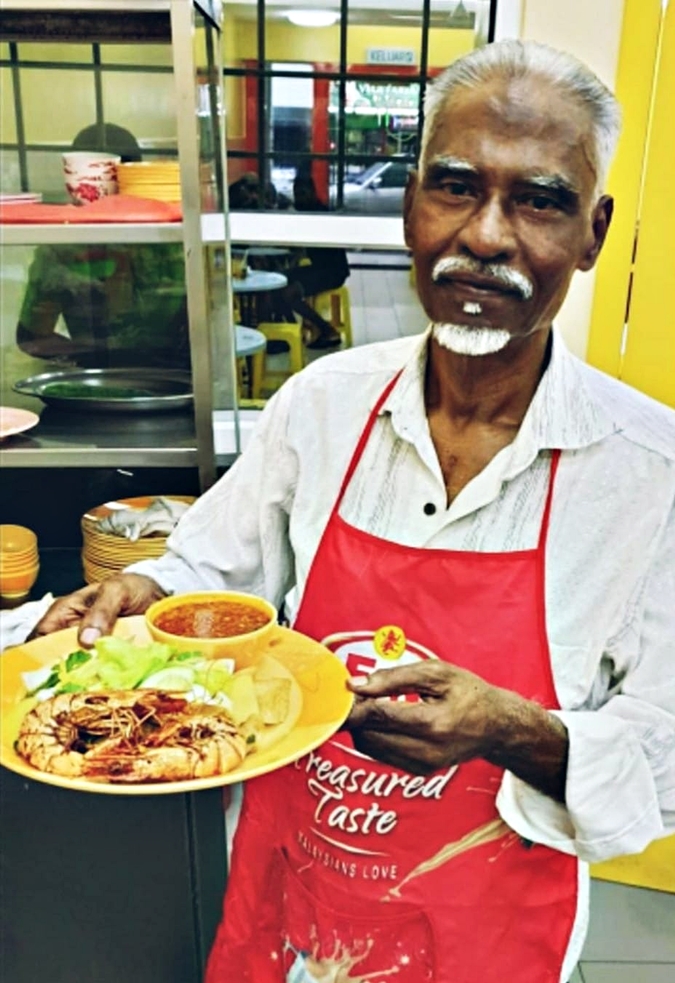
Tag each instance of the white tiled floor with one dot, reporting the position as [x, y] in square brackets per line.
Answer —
[631, 937]
[384, 305]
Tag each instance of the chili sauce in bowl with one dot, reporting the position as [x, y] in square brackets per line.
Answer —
[215, 623]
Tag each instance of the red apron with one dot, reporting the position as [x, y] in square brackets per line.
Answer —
[346, 870]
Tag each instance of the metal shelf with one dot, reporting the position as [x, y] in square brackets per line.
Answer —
[293, 228]
[65, 439]
[173, 440]
[265, 228]
[122, 232]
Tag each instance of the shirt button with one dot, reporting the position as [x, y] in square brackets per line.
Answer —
[429, 508]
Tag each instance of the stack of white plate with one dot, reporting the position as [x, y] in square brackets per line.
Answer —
[104, 554]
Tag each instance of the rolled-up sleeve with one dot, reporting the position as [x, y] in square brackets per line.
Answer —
[620, 790]
[236, 535]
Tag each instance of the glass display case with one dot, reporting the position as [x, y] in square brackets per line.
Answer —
[133, 304]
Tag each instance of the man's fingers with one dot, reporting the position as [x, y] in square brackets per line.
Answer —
[100, 616]
[388, 716]
[64, 612]
[122, 594]
[97, 607]
[425, 678]
[401, 752]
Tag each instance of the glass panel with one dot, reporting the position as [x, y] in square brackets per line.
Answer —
[377, 189]
[145, 103]
[7, 113]
[63, 307]
[146, 54]
[380, 117]
[456, 27]
[57, 103]
[56, 52]
[210, 116]
[209, 105]
[10, 175]
[14, 363]
[300, 125]
[45, 174]
[243, 183]
[101, 305]
[312, 36]
[385, 39]
[240, 34]
[242, 111]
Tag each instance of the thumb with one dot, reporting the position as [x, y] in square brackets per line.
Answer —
[109, 601]
[125, 593]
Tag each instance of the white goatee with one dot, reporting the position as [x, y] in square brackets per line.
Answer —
[462, 340]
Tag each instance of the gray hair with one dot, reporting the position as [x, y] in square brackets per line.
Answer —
[513, 59]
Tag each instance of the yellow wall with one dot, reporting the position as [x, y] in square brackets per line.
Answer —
[591, 30]
[633, 90]
[286, 42]
[644, 189]
[649, 360]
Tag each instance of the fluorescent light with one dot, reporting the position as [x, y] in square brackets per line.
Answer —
[313, 18]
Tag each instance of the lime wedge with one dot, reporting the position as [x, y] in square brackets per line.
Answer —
[175, 678]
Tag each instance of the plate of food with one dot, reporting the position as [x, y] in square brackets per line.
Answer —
[134, 716]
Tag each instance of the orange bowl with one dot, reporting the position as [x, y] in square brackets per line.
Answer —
[17, 561]
[18, 584]
[16, 539]
[194, 618]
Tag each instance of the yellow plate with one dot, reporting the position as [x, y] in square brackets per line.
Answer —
[321, 676]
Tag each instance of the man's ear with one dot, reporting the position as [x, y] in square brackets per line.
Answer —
[410, 188]
[600, 223]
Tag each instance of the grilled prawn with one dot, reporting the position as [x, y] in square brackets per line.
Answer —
[130, 736]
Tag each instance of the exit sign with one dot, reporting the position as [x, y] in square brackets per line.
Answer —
[390, 56]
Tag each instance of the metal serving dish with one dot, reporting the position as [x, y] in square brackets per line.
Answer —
[111, 390]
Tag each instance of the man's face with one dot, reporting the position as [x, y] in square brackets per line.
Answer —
[506, 201]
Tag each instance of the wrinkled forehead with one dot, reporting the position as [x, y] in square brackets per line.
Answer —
[525, 121]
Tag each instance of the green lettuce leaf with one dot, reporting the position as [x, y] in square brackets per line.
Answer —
[123, 665]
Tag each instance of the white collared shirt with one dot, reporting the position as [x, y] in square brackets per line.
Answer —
[610, 559]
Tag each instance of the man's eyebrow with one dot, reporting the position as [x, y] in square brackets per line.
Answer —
[552, 182]
[446, 162]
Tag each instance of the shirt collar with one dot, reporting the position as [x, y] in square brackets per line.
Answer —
[564, 413]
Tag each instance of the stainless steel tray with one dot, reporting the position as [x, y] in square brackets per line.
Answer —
[158, 390]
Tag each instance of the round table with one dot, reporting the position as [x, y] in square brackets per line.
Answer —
[273, 258]
[248, 341]
[250, 293]
[259, 281]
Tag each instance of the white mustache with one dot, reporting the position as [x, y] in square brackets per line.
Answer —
[504, 276]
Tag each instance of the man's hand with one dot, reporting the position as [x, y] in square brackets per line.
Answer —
[457, 717]
[450, 722]
[97, 607]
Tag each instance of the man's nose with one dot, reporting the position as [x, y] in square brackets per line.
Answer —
[488, 233]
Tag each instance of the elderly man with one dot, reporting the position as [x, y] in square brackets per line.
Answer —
[480, 525]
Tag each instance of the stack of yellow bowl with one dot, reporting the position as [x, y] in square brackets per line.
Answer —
[159, 179]
[19, 561]
[104, 553]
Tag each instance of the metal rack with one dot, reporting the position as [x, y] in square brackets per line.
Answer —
[162, 440]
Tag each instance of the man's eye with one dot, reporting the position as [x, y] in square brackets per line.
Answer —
[457, 188]
[541, 203]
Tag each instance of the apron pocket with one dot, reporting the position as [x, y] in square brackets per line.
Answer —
[340, 943]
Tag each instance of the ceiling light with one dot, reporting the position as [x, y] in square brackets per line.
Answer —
[313, 18]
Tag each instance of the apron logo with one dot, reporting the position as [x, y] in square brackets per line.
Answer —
[362, 652]
[389, 642]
